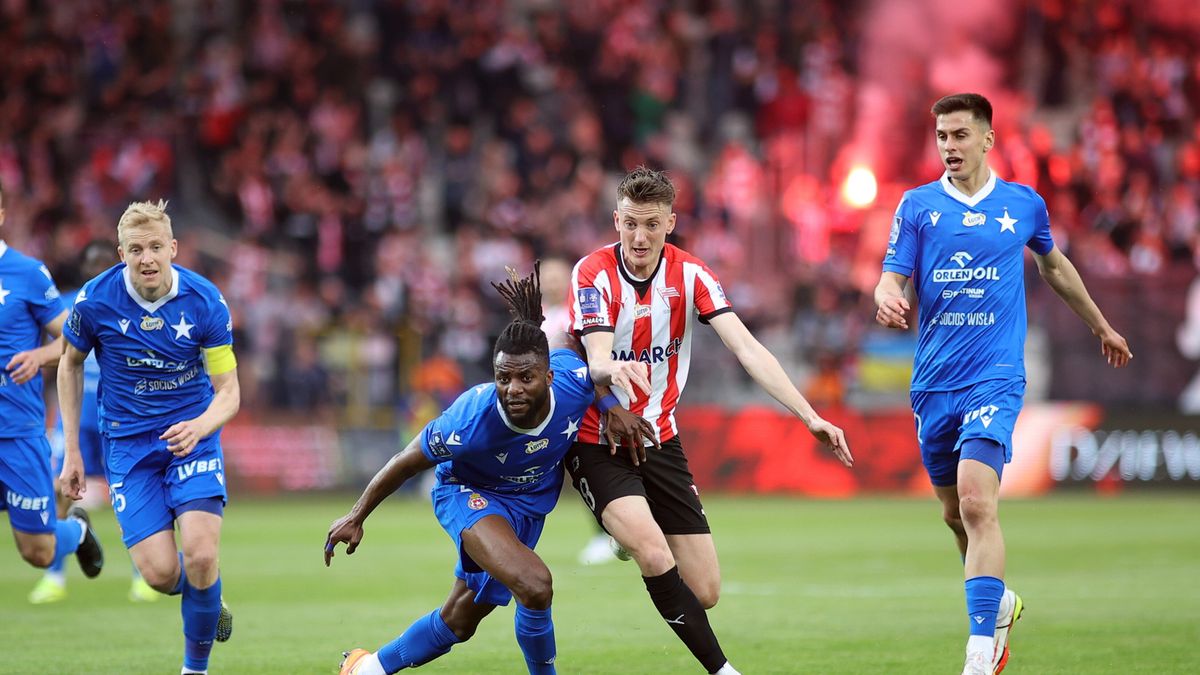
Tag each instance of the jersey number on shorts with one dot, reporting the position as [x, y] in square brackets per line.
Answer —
[118, 500]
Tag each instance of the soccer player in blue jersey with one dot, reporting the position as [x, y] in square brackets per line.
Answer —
[168, 383]
[30, 305]
[959, 241]
[498, 451]
[97, 256]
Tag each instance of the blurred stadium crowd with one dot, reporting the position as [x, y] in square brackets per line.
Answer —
[353, 174]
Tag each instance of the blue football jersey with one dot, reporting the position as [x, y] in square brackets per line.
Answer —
[965, 258]
[151, 354]
[476, 445]
[91, 378]
[28, 301]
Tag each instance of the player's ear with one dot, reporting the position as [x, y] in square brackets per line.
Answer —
[174, 248]
[671, 223]
[616, 220]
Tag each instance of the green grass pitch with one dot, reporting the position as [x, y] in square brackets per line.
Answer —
[873, 585]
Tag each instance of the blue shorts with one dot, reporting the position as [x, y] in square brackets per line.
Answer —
[147, 483]
[458, 507]
[945, 419]
[27, 484]
[91, 446]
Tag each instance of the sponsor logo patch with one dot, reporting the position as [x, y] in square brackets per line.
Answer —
[973, 219]
[152, 323]
[533, 446]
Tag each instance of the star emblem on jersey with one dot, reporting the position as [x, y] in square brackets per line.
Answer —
[1006, 223]
[572, 427]
[3, 293]
[183, 329]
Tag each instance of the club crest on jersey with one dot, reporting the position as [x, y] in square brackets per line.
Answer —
[589, 301]
[668, 292]
[533, 446]
[476, 501]
[973, 219]
[152, 323]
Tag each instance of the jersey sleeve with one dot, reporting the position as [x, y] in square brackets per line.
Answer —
[708, 296]
[218, 326]
[571, 374]
[79, 329]
[1042, 242]
[901, 256]
[45, 302]
[449, 435]
[592, 298]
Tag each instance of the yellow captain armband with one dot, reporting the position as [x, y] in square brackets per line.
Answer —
[219, 360]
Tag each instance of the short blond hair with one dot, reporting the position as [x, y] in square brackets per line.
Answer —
[140, 214]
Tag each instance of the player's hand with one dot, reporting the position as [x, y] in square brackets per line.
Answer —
[893, 313]
[622, 425]
[833, 437]
[631, 376]
[1114, 349]
[344, 530]
[22, 367]
[71, 481]
[182, 437]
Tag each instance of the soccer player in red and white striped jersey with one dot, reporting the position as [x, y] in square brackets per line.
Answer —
[636, 301]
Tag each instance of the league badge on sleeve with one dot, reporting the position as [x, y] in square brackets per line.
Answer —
[589, 301]
[437, 445]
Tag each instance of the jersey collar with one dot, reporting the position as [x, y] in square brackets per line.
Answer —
[3, 248]
[973, 199]
[145, 304]
[528, 432]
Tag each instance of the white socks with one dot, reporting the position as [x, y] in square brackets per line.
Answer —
[981, 643]
[727, 670]
[370, 666]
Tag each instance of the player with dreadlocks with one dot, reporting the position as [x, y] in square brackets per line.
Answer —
[498, 451]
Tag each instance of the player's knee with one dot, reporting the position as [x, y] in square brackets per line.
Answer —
[536, 589]
[653, 559]
[976, 510]
[461, 619]
[37, 553]
[200, 564]
[708, 594]
[953, 519]
[161, 578]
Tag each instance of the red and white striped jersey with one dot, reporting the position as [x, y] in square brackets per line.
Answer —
[651, 321]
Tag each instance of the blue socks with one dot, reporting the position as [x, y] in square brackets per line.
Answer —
[535, 634]
[426, 639]
[200, 609]
[67, 535]
[983, 603]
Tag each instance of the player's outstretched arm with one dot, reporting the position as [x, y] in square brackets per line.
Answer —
[70, 403]
[762, 365]
[890, 300]
[1057, 271]
[24, 365]
[182, 437]
[631, 376]
[349, 528]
